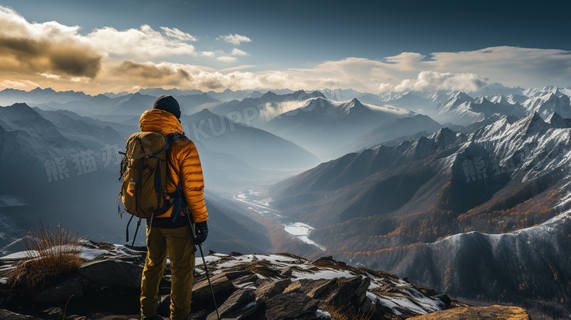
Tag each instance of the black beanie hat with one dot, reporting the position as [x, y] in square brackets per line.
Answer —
[167, 103]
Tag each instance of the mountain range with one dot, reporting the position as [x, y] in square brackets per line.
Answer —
[502, 177]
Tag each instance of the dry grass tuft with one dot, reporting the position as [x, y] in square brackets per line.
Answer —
[49, 252]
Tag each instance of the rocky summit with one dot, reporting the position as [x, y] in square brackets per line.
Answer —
[253, 286]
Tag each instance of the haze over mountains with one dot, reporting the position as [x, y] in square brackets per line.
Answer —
[402, 181]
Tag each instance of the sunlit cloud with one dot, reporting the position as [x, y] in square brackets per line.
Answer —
[141, 43]
[208, 53]
[177, 34]
[238, 52]
[234, 39]
[432, 80]
[227, 59]
[21, 84]
[50, 76]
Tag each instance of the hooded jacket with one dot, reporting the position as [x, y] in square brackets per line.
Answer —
[183, 166]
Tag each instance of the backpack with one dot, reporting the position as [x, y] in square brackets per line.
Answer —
[144, 175]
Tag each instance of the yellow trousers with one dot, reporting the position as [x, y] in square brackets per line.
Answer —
[179, 246]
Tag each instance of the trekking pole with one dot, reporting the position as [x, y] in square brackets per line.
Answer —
[203, 260]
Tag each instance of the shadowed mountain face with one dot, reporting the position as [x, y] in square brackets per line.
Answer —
[391, 130]
[376, 206]
[75, 128]
[516, 267]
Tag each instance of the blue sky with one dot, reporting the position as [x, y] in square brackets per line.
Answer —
[308, 43]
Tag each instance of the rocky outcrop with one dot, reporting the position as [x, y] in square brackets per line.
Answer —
[291, 305]
[113, 273]
[246, 287]
[238, 306]
[70, 288]
[491, 312]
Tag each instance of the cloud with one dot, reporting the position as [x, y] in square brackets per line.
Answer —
[45, 48]
[208, 53]
[227, 59]
[432, 80]
[509, 65]
[242, 67]
[235, 39]
[141, 43]
[177, 34]
[52, 48]
[19, 84]
[406, 71]
[151, 73]
[50, 76]
[238, 52]
[129, 73]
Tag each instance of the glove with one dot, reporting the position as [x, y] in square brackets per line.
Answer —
[201, 232]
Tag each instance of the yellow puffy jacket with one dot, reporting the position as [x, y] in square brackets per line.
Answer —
[184, 156]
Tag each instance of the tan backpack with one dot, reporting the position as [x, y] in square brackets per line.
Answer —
[144, 175]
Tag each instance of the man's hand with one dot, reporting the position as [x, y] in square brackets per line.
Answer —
[201, 232]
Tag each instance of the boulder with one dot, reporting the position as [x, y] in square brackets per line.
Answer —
[239, 305]
[287, 272]
[113, 273]
[235, 274]
[347, 293]
[252, 278]
[270, 290]
[222, 286]
[320, 287]
[293, 287]
[492, 312]
[327, 258]
[292, 305]
[235, 254]
[61, 292]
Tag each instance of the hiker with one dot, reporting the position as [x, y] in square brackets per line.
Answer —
[168, 237]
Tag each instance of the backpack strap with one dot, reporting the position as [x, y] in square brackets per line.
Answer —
[177, 194]
[175, 199]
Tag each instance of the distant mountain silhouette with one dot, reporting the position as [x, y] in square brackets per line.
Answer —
[256, 147]
[321, 125]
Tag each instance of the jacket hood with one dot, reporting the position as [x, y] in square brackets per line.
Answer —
[159, 120]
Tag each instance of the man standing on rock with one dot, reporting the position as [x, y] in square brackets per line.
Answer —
[166, 236]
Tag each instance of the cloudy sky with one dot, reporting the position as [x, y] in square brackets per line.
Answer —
[102, 46]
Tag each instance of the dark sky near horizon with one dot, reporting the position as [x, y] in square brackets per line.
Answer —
[313, 31]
